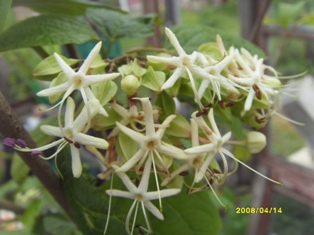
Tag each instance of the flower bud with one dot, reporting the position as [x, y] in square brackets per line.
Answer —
[130, 84]
[273, 82]
[255, 141]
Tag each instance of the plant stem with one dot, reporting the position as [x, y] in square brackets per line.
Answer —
[41, 52]
[10, 126]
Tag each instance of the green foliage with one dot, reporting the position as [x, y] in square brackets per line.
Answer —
[116, 25]
[66, 7]
[191, 214]
[203, 34]
[48, 68]
[4, 10]
[45, 30]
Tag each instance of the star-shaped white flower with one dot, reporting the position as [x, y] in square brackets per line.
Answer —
[215, 145]
[217, 80]
[150, 144]
[253, 78]
[72, 133]
[141, 196]
[194, 161]
[129, 116]
[79, 80]
[183, 63]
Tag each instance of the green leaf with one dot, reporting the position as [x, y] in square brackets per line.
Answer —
[46, 30]
[5, 6]
[57, 224]
[179, 127]
[126, 147]
[289, 12]
[153, 79]
[19, 169]
[104, 91]
[241, 153]
[166, 103]
[117, 25]
[60, 79]
[192, 36]
[66, 7]
[32, 213]
[100, 122]
[48, 68]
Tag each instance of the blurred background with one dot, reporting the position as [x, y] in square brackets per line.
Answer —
[284, 29]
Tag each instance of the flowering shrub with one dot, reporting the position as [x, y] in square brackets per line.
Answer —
[140, 139]
[169, 120]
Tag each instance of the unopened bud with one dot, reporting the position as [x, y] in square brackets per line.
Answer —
[130, 84]
[255, 141]
[272, 82]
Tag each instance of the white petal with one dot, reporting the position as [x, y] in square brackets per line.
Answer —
[163, 193]
[153, 209]
[201, 172]
[68, 71]
[175, 61]
[226, 137]
[172, 151]
[90, 140]
[51, 130]
[164, 126]
[88, 61]
[132, 162]
[174, 41]
[82, 119]
[76, 161]
[54, 90]
[148, 118]
[143, 186]
[139, 138]
[249, 100]
[92, 79]
[69, 112]
[174, 77]
[201, 149]
[119, 193]
[127, 182]
[202, 88]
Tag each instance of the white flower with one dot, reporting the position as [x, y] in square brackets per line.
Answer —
[150, 144]
[217, 80]
[183, 63]
[73, 132]
[129, 116]
[194, 161]
[253, 78]
[141, 196]
[79, 80]
[215, 145]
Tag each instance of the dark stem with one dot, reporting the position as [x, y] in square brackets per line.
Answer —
[41, 52]
[72, 50]
[10, 126]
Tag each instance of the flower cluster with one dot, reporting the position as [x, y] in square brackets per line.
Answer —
[146, 137]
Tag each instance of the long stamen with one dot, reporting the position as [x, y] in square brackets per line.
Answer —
[146, 219]
[216, 196]
[109, 207]
[157, 184]
[135, 215]
[234, 158]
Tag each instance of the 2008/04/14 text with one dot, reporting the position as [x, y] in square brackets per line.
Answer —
[260, 210]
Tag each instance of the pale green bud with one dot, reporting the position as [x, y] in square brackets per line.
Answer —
[130, 84]
[273, 82]
[255, 141]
